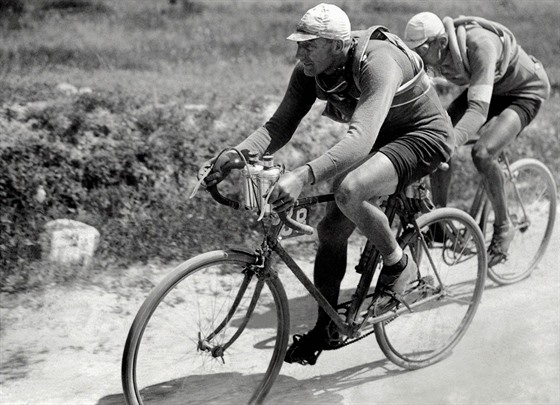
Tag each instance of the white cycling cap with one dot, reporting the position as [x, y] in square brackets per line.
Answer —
[421, 28]
[322, 21]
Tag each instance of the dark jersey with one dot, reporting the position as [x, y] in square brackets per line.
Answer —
[374, 120]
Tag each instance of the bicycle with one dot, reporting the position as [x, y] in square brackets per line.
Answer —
[531, 204]
[226, 311]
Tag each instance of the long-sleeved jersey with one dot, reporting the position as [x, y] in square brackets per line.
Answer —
[387, 95]
[523, 77]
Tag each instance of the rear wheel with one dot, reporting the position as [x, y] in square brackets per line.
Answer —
[451, 258]
[214, 331]
[531, 202]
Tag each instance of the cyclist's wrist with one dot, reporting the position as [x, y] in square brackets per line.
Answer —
[305, 174]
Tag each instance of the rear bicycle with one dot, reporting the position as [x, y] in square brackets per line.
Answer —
[214, 330]
[531, 203]
[441, 302]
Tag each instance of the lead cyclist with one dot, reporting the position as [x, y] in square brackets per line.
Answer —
[398, 132]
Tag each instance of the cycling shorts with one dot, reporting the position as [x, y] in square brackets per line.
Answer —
[413, 155]
[526, 108]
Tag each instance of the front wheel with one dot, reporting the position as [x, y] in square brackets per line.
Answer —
[214, 331]
[449, 251]
[531, 204]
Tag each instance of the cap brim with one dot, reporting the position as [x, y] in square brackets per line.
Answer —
[414, 43]
[302, 36]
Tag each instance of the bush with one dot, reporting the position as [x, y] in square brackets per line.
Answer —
[126, 171]
[11, 7]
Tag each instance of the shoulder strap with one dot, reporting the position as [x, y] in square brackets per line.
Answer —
[381, 32]
[364, 37]
[456, 31]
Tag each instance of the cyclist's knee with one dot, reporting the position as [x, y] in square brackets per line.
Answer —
[351, 193]
[481, 156]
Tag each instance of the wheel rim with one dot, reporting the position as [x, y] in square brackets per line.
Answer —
[425, 336]
[532, 214]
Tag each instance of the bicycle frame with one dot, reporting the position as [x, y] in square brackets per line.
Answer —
[397, 204]
[350, 326]
[481, 204]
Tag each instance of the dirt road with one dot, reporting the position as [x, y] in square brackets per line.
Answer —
[64, 347]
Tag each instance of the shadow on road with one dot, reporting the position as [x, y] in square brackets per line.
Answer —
[286, 389]
[325, 388]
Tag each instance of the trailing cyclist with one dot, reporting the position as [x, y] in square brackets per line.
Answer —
[506, 88]
[398, 132]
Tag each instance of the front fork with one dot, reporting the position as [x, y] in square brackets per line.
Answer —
[260, 269]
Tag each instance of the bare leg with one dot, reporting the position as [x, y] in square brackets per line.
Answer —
[373, 177]
[356, 196]
[494, 136]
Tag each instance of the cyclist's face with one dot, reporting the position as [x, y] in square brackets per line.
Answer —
[431, 51]
[317, 56]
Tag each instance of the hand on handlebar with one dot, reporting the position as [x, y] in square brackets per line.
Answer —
[221, 167]
[287, 190]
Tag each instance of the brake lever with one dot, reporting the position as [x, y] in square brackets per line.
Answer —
[199, 183]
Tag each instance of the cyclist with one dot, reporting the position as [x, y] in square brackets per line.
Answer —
[505, 90]
[398, 132]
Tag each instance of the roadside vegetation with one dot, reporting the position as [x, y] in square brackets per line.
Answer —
[111, 106]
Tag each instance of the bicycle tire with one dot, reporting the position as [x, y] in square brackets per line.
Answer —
[428, 334]
[173, 359]
[531, 178]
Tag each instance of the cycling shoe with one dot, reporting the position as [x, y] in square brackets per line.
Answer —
[392, 285]
[305, 349]
[499, 246]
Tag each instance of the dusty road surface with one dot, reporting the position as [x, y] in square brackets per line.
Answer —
[64, 346]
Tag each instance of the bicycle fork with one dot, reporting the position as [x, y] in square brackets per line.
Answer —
[217, 350]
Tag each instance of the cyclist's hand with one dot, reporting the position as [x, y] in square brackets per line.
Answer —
[288, 189]
[222, 166]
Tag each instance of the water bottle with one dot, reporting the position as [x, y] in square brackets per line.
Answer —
[268, 177]
[251, 184]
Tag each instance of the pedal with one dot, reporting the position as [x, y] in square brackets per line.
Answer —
[497, 259]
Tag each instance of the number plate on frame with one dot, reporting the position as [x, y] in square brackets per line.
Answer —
[299, 214]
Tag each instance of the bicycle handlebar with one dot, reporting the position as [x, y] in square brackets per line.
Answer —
[284, 217]
[295, 225]
[220, 198]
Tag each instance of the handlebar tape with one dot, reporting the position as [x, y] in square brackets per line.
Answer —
[291, 223]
